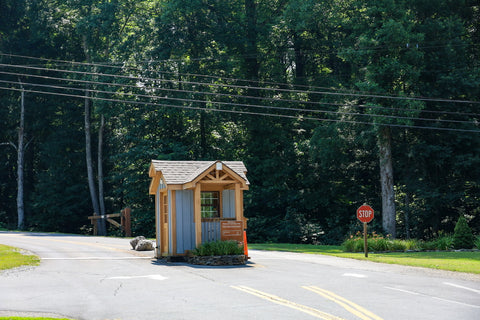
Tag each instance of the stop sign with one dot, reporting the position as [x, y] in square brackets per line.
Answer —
[365, 213]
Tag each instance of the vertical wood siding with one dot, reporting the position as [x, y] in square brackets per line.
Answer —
[210, 230]
[170, 240]
[228, 200]
[158, 230]
[185, 227]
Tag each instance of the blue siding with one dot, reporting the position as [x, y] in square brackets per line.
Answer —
[170, 240]
[210, 231]
[185, 227]
[228, 200]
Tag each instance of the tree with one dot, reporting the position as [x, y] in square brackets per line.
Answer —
[463, 236]
[20, 148]
[394, 70]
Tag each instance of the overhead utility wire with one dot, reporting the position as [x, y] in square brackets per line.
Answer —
[257, 106]
[238, 96]
[179, 81]
[276, 89]
[422, 45]
[243, 112]
[239, 104]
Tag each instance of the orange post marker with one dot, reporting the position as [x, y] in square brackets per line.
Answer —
[245, 245]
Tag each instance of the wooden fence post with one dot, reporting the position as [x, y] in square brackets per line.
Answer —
[126, 222]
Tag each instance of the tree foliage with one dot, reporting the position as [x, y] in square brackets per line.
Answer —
[316, 97]
[463, 236]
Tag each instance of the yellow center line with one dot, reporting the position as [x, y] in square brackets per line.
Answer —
[287, 303]
[350, 306]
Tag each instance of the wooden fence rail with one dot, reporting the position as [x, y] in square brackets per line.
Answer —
[124, 225]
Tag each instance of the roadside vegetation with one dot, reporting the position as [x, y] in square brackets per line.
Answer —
[379, 243]
[218, 248]
[435, 254]
[11, 257]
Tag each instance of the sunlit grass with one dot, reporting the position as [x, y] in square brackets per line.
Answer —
[11, 257]
[462, 261]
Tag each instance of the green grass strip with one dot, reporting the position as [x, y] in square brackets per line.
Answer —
[11, 257]
[462, 261]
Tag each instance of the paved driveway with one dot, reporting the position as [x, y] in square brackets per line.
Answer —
[102, 278]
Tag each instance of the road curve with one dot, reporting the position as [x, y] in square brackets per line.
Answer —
[84, 277]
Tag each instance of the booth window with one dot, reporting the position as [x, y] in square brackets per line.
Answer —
[210, 204]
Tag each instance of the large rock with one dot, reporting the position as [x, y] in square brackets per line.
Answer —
[134, 241]
[144, 245]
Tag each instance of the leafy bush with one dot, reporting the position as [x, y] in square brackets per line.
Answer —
[218, 248]
[463, 236]
[444, 243]
[377, 243]
[477, 242]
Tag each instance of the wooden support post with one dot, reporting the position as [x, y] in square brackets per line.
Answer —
[365, 241]
[197, 212]
[238, 204]
[126, 222]
[95, 228]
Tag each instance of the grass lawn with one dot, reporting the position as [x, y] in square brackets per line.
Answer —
[444, 260]
[11, 257]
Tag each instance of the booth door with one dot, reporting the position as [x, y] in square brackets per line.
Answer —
[210, 230]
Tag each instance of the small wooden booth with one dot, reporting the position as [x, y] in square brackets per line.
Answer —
[196, 202]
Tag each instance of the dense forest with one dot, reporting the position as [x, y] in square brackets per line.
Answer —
[330, 104]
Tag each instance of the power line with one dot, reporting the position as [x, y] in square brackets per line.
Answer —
[243, 112]
[229, 95]
[351, 93]
[241, 104]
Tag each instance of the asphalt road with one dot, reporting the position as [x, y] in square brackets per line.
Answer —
[102, 278]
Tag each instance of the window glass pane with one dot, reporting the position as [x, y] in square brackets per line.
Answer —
[210, 204]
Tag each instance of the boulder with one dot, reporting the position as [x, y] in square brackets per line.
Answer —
[144, 245]
[134, 241]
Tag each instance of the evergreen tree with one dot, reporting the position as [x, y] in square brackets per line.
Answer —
[463, 236]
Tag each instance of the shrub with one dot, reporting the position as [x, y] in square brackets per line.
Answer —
[463, 236]
[353, 243]
[218, 248]
[428, 245]
[477, 242]
[444, 243]
[377, 243]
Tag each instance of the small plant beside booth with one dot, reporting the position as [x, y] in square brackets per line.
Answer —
[218, 253]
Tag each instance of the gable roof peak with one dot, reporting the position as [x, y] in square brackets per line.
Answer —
[185, 171]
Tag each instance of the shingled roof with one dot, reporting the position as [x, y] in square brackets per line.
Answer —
[181, 172]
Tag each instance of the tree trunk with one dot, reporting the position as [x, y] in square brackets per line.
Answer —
[386, 181]
[20, 162]
[90, 173]
[101, 197]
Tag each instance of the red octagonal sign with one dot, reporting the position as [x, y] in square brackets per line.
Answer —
[365, 213]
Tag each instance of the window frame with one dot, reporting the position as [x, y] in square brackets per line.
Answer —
[216, 204]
